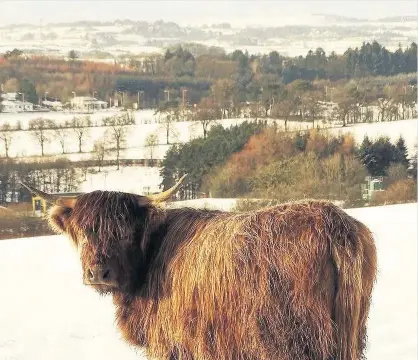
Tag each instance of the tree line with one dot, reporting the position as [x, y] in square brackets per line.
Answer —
[149, 79]
[44, 131]
[198, 157]
[52, 176]
[284, 166]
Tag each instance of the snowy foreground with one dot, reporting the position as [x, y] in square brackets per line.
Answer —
[46, 312]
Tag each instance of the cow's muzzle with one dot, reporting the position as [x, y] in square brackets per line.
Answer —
[100, 275]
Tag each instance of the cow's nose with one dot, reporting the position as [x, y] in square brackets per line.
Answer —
[100, 275]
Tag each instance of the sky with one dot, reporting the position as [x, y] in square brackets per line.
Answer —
[198, 12]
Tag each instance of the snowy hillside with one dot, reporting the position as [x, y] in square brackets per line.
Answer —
[46, 312]
[122, 39]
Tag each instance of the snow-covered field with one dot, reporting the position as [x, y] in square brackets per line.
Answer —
[393, 129]
[47, 313]
[136, 179]
[24, 144]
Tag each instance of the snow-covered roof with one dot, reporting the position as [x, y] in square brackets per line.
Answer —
[9, 96]
[52, 103]
[15, 103]
[83, 98]
[11, 103]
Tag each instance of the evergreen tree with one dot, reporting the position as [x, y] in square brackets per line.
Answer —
[28, 89]
[402, 152]
[413, 169]
[199, 156]
[72, 55]
[377, 156]
[367, 156]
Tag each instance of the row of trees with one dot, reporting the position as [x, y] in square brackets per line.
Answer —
[301, 100]
[44, 131]
[63, 175]
[198, 157]
[51, 176]
[150, 77]
[253, 78]
[284, 166]
[370, 59]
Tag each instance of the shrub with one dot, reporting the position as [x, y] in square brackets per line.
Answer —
[14, 226]
[401, 191]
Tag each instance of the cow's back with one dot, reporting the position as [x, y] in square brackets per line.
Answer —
[256, 285]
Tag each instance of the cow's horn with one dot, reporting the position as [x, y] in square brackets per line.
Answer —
[165, 195]
[66, 201]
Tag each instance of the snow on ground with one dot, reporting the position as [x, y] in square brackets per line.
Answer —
[47, 313]
[140, 180]
[24, 144]
[393, 129]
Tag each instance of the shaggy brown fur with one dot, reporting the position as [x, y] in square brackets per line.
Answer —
[289, 282]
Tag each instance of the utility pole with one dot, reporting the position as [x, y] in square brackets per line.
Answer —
[72, 106]
[184, 91]
[23, 100]
[140, 92]
[121, 104]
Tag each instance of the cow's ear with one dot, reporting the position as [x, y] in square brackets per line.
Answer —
[59, 218]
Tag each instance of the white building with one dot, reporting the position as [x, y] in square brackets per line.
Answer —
[87, 103]
[9, 96]
[8, 106]
[53, 105]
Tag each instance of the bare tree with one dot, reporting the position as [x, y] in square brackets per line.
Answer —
[206, 112]
[80, 126]
[402, 97]
[151, 141]
[99, 152]
[256, 110]
[117, 131]
[168, 113]
[383, 104]
[40, 129]
[6, 135]
[312, 104]
[346, 101]
[222, 91]
[61, 134]
[283, 109]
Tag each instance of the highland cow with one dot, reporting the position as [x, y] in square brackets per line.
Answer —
[288, 282]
